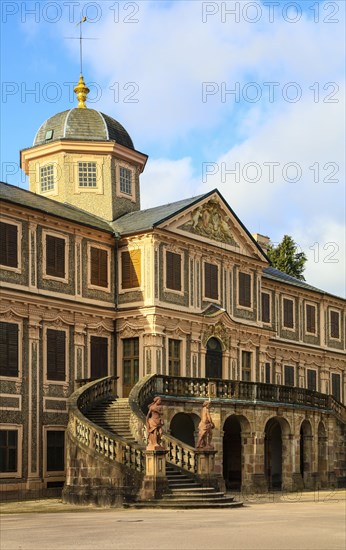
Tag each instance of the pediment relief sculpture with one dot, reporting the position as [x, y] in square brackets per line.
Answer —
[218, 331]
[209, 220]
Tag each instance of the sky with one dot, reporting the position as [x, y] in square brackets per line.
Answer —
[244, 96]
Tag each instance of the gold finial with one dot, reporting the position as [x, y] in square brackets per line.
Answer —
[81, 90]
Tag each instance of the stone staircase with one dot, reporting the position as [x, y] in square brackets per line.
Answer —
[112, 414]
[185, 492]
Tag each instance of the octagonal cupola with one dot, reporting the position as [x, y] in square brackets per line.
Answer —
[87, 159]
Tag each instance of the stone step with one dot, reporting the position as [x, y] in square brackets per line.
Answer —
[183, 505]
[199, 496]
[193, 490]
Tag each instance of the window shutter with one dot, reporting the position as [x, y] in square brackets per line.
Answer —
[8, 349]
[131, 269]
[55, 256]
[8, 244]
[288, 313]
[289, 375]
[311, 379]
[244, 289]
[265, 308]
[98, 267]
[334, 324]
[310, 318]
[173, 271]
[99, 357]
[56, 354]
[211, 281]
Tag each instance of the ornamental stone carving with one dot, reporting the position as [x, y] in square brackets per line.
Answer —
[218, 331]
[209, 220]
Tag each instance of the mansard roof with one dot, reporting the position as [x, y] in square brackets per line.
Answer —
[22, 197]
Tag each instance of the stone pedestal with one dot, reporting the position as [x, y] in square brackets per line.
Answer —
[155, 481]
[205, 469]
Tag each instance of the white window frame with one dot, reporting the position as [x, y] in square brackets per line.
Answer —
[17, 269]
[52, 233]
[91, 286]
[246, 272]
[291, 329]
[182, 264]
[98, 189]
[67, 362]
[132, 195]
[41, 167]
[58, 474]
[19, 429]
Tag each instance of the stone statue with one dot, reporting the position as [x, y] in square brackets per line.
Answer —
[205, 428]
[154, 425]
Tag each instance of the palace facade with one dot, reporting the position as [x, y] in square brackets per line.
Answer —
[92, 287]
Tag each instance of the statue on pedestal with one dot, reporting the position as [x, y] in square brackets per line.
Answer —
[154, 425]
[205, 428]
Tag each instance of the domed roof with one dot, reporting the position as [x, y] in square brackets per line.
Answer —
[84, 125]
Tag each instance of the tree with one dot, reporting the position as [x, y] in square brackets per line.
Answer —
[286, 258]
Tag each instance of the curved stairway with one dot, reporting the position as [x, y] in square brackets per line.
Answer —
[183, 491]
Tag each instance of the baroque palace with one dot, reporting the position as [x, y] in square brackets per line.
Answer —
[105, 306]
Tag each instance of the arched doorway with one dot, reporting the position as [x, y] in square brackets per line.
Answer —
[213, 366]
[305, 451]
[183, 427]
[273, 454]
[232, 453]
[322, 455]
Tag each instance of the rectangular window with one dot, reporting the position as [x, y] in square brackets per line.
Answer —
[55, 256]
[267, 373]
[125, 180]
[334, 324]
[173, 271]
[55, 450]
[47, 178]
[130, 361]
[211, 281]
[289, 375]
[56, 355]
[288, 313]
[310, 318]
[244, 289]
[87, 174]
[246, 366]
[8, 451]
[8, 244]
[312, 380]
[265, 307]
[98, 267]
[174, 357]
[131, 269]
[336, 393]
[9, 349]
[98, 357]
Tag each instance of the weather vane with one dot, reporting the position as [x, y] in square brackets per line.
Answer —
[81, 89]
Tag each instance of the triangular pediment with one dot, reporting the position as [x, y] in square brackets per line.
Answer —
[211, 220]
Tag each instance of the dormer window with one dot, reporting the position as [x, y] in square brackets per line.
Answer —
[47, 178]
[125, 180]
[87, 174]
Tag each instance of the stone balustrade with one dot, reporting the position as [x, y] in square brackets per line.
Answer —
[180, 454]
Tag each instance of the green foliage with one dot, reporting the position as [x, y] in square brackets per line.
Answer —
[286, 258]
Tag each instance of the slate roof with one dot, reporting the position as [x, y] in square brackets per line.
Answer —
[83, 124]
[144, 220]
[17, 195]
[276, 275]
